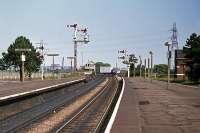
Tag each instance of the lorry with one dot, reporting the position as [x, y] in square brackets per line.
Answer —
[105, 69]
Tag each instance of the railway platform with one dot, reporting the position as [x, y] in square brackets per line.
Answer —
[148, 107]
[13, 88]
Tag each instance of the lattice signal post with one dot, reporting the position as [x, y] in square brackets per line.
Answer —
[41, 48]
[125, 59]
[80, 36]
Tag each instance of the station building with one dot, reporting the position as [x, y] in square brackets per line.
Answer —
[180, 65]
[90, 67]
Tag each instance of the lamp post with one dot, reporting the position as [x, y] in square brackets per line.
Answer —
[128, 70]
[23, 59]
[148, 70]
[151, 53]
[140, 66]
[145, 68]
[169, 62]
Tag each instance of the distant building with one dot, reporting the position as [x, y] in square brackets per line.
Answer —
[180, 65]
[55, 67]
[90, 67]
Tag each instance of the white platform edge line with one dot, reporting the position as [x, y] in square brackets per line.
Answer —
[34, 91]
[112, 119]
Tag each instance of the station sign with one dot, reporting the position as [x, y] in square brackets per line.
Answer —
[23, 57]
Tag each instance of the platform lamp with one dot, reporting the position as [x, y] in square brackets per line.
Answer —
[23, 59]
[151, 53]
[169, 62]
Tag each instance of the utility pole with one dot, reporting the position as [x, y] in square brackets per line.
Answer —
[151, 53]
[77, 40]
[41, 47]
[23, 59]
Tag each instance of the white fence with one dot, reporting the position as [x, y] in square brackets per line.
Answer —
[10, 75]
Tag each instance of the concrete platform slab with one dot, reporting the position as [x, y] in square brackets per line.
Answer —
[151, 108]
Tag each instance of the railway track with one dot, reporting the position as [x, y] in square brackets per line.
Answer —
[91, 117]
[17, 122]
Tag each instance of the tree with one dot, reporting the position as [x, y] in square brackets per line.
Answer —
[192, 53]
[132, 60]
[160, 69]
[2, 65]
[12, 57]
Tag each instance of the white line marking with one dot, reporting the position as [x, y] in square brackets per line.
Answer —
[36, 90]
[112, 119]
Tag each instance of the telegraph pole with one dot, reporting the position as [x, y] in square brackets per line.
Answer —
[23, 59]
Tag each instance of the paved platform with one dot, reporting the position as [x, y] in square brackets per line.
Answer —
[8, 88]
[151, 108]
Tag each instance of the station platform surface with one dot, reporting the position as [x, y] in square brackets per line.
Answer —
[8, 88]
[148, 107]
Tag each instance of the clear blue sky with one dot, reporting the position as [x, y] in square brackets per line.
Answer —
[136, 25]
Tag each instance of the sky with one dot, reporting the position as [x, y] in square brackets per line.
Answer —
[139, 26]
